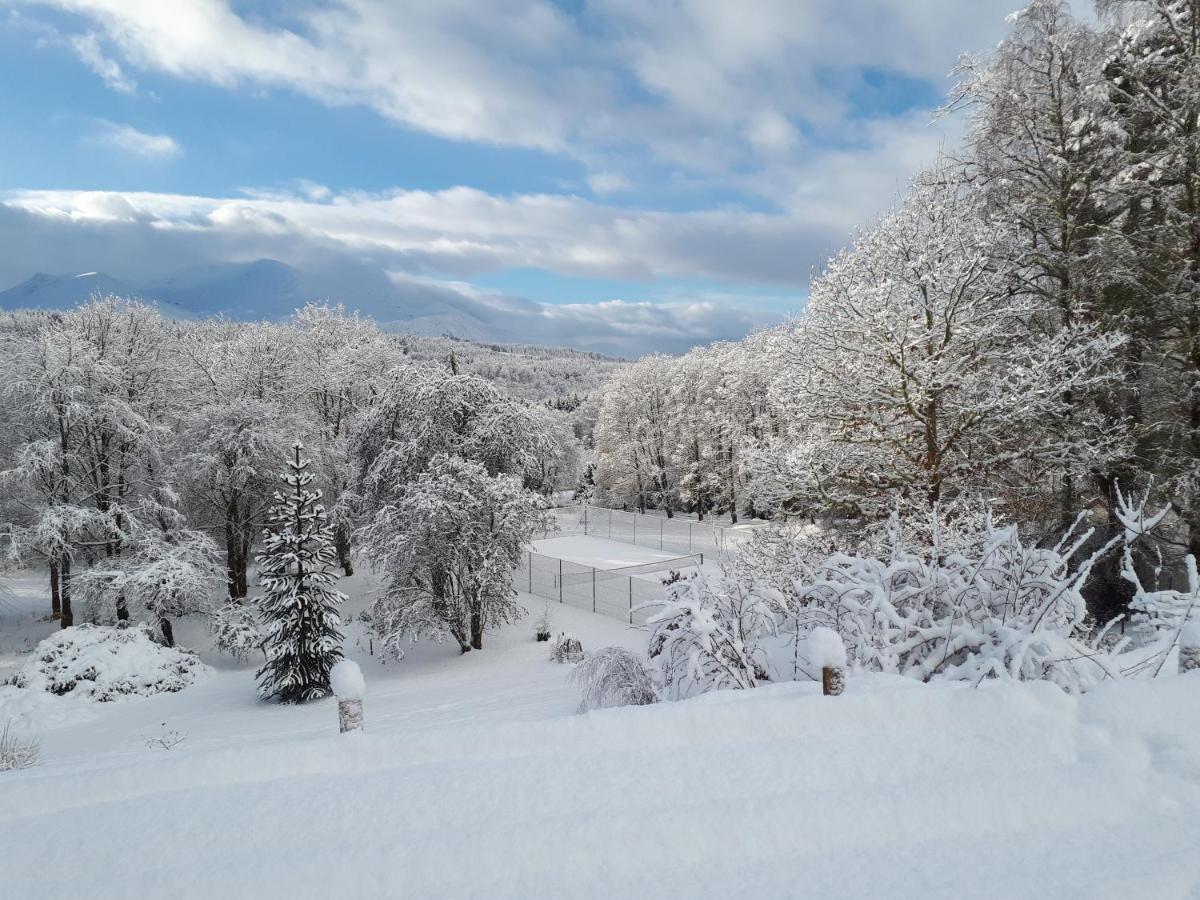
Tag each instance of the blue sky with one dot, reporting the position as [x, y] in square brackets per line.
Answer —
[687, 164]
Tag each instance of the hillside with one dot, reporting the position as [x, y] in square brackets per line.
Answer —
[474, 777]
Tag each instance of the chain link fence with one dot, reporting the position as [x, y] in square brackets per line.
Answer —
[656, 532]
[625, 593]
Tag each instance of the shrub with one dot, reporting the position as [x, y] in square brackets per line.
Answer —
[104, 663]
[612, 676]
[567, 648]
[17, 752]
[235, 630]
[707, 637]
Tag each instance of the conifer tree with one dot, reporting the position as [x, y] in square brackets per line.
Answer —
[299, 603]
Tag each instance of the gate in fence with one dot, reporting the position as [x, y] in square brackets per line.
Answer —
[623, 593]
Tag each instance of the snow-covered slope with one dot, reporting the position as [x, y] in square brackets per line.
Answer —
[475, 778]
[44, 291]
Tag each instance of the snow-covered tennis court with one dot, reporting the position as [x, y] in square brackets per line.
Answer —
[601, 553]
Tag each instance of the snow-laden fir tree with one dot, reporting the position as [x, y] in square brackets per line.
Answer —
[299, 602]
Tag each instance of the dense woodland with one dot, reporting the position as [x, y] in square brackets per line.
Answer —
[1019, 334]
[142, 456]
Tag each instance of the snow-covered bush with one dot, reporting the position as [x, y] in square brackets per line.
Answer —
[235, 630]
[1007, 610]
[542, 626]
[613, 676]
[708, 634]
[17, 751]
[105, 663]
[567, 648]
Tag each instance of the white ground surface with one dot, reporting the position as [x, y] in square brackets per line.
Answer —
[475, 779]
[600, 553]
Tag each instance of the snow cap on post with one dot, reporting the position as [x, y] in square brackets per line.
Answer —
[825, 648]
[347, 681]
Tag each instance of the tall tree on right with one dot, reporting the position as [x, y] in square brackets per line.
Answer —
[1153, 78]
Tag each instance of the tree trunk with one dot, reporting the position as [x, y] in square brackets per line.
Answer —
[55, 598]
[168, 632]
[477, 629]
[341, 543]
[64, 581]
[122, 608]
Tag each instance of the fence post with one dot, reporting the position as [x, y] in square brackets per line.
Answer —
[610, 512]
[630, 599]
[531, 571]
[660, 532]
[593, 589]
[560, 600]
[689, 537]
[585, 521]
[701, 559]
[635, 529]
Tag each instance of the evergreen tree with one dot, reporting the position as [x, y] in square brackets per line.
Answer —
[299, 604]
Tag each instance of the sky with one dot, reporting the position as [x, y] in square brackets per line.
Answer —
[669, 172]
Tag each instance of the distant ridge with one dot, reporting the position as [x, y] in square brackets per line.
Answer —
[264, 289]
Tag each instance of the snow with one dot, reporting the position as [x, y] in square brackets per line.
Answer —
[476, 778]
[599, 553]
[346, 679]
[824, 647]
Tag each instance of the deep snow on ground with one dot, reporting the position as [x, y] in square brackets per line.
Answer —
[475, 778]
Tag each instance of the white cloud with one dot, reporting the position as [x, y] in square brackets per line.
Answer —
[464, 232]
[604, 183]
[115, 235]
[87, 48]
[526, 73]
[138, 143]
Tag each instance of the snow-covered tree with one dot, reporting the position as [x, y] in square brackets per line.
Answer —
[919, 371]
[448, 544]
[229, 451]
[299, 601]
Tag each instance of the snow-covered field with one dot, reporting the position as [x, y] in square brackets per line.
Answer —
[476, 778]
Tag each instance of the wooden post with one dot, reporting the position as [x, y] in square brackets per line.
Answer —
[630, 599]
[660, 533]
[833, 680]
[531, 571]
[560, 599]
[349, 715]
[593, 590]
[1189, 648]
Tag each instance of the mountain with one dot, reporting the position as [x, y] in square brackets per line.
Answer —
[44, 291]
[264, 289]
